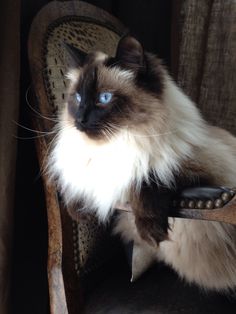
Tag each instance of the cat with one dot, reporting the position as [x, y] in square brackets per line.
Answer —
[128, 134]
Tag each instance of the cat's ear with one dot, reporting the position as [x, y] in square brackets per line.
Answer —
[130, 52]
[74, 57]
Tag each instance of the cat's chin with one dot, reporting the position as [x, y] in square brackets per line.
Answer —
[92, 133]
[96, 135]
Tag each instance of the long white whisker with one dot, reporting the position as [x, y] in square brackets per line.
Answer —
[106, 134]
[155, 134]
[117, 127]
[32, 130]
[30, 137]
[34, 110]
[109, 130]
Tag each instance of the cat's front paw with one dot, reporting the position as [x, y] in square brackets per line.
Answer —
[151, 230]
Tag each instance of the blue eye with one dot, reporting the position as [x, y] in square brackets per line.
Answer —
[78, 97]
[105, 98]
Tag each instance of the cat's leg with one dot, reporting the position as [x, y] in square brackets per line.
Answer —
[152, 206]
[151, 209]
[201, 252]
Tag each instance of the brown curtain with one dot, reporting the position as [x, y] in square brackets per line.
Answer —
[207, 57]
[9, 100]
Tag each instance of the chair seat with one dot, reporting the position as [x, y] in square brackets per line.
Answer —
[159, 291]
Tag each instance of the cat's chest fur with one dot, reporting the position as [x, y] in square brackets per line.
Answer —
[99, 173]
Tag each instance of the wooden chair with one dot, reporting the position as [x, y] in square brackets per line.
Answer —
[82, 254]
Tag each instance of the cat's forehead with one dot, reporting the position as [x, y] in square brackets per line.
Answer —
[96, 57]
[106, 71]
[103, 71]
[114, 77]
[91, 61]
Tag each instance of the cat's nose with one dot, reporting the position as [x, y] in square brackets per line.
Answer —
[81, 120]
[82, 117]
[81, 123]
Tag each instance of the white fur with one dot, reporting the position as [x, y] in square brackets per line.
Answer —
[101, 173]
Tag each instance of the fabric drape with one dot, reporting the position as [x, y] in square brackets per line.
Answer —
[207, 58]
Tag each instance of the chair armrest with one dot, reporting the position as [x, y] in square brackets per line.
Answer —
[203, 203]
[207, 203]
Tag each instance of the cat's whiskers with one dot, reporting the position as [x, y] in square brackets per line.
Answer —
[112, 133]
[29, 137]
[45, 133]
[111, 129]
[155, 134]
[39, 114]
[118, 128]
[113, 126]
[106, 134]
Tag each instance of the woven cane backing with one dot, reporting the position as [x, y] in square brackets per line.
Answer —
[83, 35]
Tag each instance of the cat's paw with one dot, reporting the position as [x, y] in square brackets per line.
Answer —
[151, 230]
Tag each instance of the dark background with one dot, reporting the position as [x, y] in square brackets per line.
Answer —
[150, 21]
